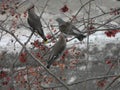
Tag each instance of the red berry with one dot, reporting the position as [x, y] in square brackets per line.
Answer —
[4, 83]
[108, 62]
[36, 43]
[48, 36]
[64, 8]
[23, 57]
[3, 74]
[101, 83]
[111, 33]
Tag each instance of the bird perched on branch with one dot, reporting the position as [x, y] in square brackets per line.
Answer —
[35, 23]
[57, 50]
[69, 29]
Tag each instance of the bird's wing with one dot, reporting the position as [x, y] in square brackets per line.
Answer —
[31, 23]
[75, 30]
[56, 51]
[34, 22]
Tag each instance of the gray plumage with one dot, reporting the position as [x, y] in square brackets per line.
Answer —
[69, 29]
[35, 23]
[57, 50]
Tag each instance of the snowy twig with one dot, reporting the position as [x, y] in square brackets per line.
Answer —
[82, 81]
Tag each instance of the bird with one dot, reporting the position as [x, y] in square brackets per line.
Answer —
[57, 50]
[69, 29]
[35, 23]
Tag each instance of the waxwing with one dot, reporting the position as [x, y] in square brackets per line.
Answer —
[69, 29]
[35, 23]
[57, 50]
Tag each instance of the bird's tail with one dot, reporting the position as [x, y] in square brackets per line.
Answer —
[49, 63]
[48, 66]
[45, 39]
[80, 37]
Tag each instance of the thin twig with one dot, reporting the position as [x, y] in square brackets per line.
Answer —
[106, 88]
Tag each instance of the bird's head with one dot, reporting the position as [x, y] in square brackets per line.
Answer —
[60, 21]
[62, 36]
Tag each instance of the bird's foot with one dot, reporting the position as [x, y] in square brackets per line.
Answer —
[45, 42]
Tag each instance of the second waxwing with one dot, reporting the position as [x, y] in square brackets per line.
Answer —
[57, 50]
